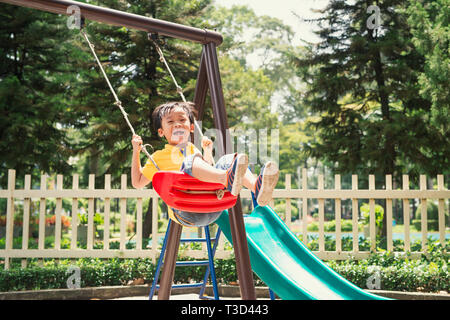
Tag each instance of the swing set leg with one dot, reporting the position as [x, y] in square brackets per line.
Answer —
[170, 259]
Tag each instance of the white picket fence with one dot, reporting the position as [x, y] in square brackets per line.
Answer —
[24, 198]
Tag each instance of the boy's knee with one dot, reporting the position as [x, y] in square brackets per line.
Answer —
[188, 163]
[225, 161]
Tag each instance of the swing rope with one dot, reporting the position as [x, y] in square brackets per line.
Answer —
[117, 102]
[220, 193]
[152, 38]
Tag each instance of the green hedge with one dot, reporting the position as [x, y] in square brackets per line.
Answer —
[428, 274]
[432, 224]
[330, 226]
[397, 273]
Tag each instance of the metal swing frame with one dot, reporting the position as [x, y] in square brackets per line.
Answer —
[208, 77]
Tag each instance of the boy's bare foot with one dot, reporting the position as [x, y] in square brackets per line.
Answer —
[265, 183]
[236, 172]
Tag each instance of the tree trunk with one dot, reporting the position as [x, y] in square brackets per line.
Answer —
[389, 146]
[147, 226]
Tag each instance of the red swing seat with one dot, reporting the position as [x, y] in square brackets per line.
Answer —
[184, 192]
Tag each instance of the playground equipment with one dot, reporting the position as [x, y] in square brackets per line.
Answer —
[286, 265]
[208, 77]
[209, 263]
[183, 192]
[277, 256]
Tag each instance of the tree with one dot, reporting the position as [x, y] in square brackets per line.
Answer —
[429, 21]
[250, 88]
[362, 83]
[35, 79]
[139, 78]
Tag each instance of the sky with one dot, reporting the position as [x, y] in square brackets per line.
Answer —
[284, 10]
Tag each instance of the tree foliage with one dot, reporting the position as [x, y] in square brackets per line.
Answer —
[54, 96]
[362, 83]
[35, 79]
[429, 21]
[375, 100]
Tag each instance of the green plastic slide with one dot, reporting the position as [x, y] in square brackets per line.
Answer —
[286, 265]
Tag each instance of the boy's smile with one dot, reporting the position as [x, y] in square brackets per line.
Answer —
[176, 127]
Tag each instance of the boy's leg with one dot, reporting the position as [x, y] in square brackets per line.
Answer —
[229, 171]
[205, 172]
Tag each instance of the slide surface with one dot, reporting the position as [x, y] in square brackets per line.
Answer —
[286, 265]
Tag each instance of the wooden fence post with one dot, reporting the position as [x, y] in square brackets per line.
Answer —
[73, 244]
[441, 210]
[355, 215]
[123, 212]
[372, 218]
[288, 201]
[26, 218]
[42, 211]
[58, 211]
[305, 205]
[10, 214]
[106, 217]
[91, 209]
[337, 211]
[390, 246]
[321, 215]
[423, 213]
[406, 216]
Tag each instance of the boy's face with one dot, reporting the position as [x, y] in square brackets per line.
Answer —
[176, 127]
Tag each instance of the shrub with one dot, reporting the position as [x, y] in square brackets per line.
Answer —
[432, 217]
[330, 226]
[429, 273]
[281, 208]
[379, 213]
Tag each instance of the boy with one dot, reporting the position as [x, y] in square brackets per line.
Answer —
[175, 122]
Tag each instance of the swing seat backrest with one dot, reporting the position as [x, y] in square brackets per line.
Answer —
[183, 192]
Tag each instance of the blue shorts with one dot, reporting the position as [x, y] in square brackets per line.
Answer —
[193, 219]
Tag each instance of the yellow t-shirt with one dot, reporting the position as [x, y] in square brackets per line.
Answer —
[168, 159]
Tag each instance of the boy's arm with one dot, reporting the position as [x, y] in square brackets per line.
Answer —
[138, 180]
[207, 150]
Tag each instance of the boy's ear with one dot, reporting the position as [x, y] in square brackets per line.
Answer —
[160, 132]
[192, 127]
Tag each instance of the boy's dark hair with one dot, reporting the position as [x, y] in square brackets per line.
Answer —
[166, 108]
